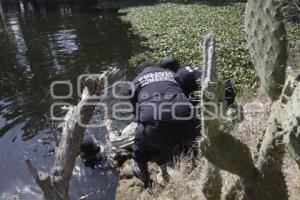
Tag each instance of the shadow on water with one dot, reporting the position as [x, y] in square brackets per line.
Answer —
[39, 44]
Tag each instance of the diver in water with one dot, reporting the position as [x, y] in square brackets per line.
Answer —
[90, 152]
[118, 146]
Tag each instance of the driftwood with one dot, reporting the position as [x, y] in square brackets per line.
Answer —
[55, 185]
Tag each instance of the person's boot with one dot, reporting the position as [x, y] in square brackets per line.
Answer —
[140, 170]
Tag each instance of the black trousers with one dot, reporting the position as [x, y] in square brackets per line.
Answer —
[160, 141]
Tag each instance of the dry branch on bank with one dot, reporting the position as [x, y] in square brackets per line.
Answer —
[55, 184]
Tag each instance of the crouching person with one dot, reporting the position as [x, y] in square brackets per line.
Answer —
[190, 78]
[165, 118]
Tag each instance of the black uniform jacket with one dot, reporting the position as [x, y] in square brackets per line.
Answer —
[158, 96]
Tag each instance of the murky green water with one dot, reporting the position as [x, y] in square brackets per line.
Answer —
[40, 44]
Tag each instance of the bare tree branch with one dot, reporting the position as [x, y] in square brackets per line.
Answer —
[55, 185]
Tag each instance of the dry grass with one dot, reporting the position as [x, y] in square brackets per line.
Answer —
[251, 130]
[185, 181]
[256, 114]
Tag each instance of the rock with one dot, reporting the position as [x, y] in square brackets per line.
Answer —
[126, 171]
[131, 188]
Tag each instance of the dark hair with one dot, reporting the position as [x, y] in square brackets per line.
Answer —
[170, 63]
[144, 65]
[88, 147]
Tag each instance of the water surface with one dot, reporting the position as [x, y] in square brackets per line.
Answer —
[40, 44]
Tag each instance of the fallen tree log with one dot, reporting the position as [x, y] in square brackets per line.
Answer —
[55, 184]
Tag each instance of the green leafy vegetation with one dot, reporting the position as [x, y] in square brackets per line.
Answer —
[178, 30]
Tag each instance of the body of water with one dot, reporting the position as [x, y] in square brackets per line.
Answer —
[39, 44]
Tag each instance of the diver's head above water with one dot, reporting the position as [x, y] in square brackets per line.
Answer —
[90, 151]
